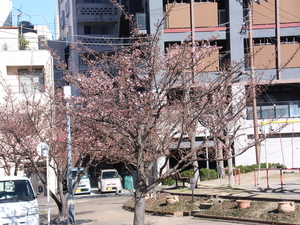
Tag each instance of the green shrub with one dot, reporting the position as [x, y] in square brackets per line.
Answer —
[251, 168]
[188, 173]
[208, 174]
[169, 181]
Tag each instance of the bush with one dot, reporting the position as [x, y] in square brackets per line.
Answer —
[169, 181]
[208, 174]
[188, 173]
[251, 168]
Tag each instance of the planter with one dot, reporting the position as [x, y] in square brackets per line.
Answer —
[206, 205]
[243, 204]
[194, 212]
[172, 199]
[286, 207]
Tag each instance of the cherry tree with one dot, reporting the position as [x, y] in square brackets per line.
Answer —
[144, 101]
[28, 118]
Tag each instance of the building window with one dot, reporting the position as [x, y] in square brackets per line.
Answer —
[96, 1]
[31, 80]
[98, 29]
[278, 101]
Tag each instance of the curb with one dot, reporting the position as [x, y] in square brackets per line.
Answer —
[243, 220]
[234, 197]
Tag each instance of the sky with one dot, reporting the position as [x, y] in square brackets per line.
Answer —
[38, 12]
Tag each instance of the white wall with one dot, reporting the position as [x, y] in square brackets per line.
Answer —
[280, 149]
[9, 38]
[5, 10]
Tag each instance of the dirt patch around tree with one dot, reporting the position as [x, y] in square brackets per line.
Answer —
[260, 211]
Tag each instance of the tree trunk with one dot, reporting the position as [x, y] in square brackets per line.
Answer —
[219, 154]
[62, 210]
[229, 161]
[140, 201]
[7, 170]
[230, 172]
[16, 169]
[195, 162]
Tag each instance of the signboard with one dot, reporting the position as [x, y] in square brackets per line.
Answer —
[192, 184]
[219, 169]
[42, 149]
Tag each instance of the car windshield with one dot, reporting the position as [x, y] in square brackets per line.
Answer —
[109, 174]
[75, 172]
[15, 190]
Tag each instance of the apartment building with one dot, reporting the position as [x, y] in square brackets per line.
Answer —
[93, 22]
[24, 64]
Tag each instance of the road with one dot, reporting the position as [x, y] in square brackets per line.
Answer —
[97, 209]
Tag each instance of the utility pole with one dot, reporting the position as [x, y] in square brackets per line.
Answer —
[278, 47]
[193, 136]
[71, 210]
[253, 87]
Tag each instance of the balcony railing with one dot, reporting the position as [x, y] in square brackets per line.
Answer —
[97, 12]
[101, 44]
[288, 109]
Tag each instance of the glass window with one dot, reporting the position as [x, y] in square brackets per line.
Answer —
[294, 109]
[267, 111]
[85, 175]
[31, 80]
[107, 30]
[98, 29]
[282, 110]
[87, 30]
[95, 29]
[15, 190]
[108, 175]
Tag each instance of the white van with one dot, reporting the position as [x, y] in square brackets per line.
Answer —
[84, 186]
[109, 181]
[18, 202]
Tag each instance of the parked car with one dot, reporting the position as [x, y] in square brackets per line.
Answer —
[109, 181]
[84, 186]
[18, 202]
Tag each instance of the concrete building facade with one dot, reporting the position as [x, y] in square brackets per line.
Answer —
[24, 64]
[94, 22]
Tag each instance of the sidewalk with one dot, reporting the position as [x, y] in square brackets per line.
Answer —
[98, 209]
[290, 190]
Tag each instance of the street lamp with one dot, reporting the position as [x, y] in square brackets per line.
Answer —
[71, 211]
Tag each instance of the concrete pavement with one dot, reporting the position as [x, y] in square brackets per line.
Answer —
[98, 209]
[273, 188]
[109, 211]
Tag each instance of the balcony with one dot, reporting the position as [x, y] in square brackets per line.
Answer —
[100, 44]
[206, 15]
[264, 57]
[282, 109]
[93, 12]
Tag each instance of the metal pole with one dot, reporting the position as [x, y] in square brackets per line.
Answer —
[278, 47]
[71, 211]
[206, 151]
[256, 137]
[48, 185]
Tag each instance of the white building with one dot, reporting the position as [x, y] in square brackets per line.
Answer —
[25, 68]
[5, 13]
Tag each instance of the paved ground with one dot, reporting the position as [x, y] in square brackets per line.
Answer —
[99, 209]
[285, 188]
[108, 211]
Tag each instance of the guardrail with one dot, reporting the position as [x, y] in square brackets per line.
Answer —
[234, 174]
[267, 175]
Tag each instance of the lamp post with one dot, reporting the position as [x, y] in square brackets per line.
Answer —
[71, 211]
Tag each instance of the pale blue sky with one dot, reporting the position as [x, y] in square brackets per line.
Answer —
[38, 12]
